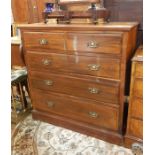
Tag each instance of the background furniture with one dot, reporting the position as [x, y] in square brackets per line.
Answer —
[28, 11]
[20, 102]
[19, 95]
[17, 59]
[134, 133]
[77, 75]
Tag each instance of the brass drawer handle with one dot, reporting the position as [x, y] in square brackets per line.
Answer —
[93, 67]
[93, 114]
[92, 44]
[94, 90]
[48, 82]
[43, 41]
[50, 104]
[46, 62]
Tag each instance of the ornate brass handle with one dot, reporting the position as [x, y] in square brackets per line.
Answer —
[43, 41]
[48, 82]
[46, 62]
[94, 90]
[93, 114]
[92, 44]
[93, 67]
[50, 104]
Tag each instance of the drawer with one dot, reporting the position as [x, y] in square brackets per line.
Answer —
[136, 128]
[97, 66]
[99, 43]
[74, 108]
[91, 88]
[136, 107]
[138, 87]
[139, 70]
[44, 40]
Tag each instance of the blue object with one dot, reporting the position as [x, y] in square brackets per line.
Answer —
[49, 7]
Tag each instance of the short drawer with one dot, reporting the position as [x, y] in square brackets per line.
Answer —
[136, 107]
[99, 43]
[97, 66]
[74, 108]
[136, 128]
[138, 87]
[139, 69]
[44, 40]
[90, 87]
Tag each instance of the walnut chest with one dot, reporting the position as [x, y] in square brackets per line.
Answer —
[77, 75]
[134, 132]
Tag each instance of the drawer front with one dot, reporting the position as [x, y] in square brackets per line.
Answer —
[138, 87]
[99, 115]
[100, 43]
[92, 88]
[139, 70]
[136, 128]
[97, 66]
[44, 40]
[137, 107]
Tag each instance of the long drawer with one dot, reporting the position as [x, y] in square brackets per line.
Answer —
[89, 112]
[44, 40]
[93, 88]
[97, 66]
[95, 42]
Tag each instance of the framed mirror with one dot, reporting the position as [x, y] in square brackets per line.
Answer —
[78, 1]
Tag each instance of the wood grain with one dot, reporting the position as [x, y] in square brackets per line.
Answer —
[50, 62]
[59, 72]
[52, 103]
[134, 132]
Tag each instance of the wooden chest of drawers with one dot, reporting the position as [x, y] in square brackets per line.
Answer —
[134, 132]
[77, 75]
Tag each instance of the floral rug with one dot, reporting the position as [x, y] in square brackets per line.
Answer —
[38, 138]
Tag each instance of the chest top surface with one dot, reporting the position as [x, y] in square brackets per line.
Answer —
[112, 26]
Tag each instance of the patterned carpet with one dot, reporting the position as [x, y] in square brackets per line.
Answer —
[39, 138]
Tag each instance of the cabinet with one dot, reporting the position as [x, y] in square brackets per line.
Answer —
[20, 11]
[28, 11]
[134, 132]
[77, 74]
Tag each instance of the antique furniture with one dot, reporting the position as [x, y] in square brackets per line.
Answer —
[134, 133]
[76, 75]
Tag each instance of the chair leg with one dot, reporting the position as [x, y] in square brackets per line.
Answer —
[137, 149]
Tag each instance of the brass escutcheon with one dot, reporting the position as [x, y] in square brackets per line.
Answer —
[94, 67]
[93, 90]
[92, 44]
[43, 41]
[93, 114]
[50, 104]
[46, 62]
[48, 82]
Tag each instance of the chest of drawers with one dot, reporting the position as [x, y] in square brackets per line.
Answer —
[77, 75]
[134, 134]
